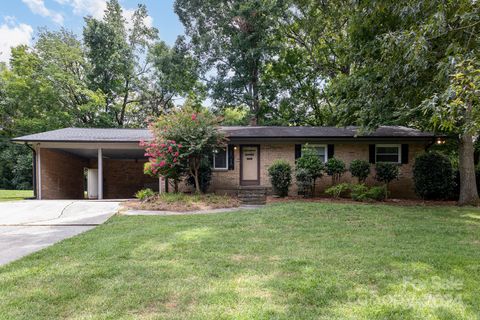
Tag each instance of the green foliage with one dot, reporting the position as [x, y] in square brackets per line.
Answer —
[280, 173]
[204, 177]
[339, 190]
[305, 182]
[377, 193]
[358, 192]
[197, 133]
[386, 172]
[234, 116]
[360, 169]
[309, 167]
[433, 176]
[144, 194]
[335, 168]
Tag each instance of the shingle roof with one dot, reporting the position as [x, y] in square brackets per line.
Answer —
[240, 132]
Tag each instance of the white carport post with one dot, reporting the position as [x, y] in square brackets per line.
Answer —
[100, 174]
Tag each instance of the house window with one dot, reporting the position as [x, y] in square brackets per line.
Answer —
[220, 159]
[321, 150]
[388, 153]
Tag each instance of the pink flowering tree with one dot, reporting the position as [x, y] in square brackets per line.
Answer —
[183, 139]
[165, 158]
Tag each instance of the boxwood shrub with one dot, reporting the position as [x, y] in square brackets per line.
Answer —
[280, 173]
[433, 176]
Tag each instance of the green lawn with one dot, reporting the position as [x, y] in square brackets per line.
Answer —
[8, 195]
[286, 261]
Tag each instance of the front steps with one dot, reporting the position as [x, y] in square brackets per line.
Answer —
[252, 195]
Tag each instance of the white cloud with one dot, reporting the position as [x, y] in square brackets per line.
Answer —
[38, 7]
[94, 8]
[11, 35]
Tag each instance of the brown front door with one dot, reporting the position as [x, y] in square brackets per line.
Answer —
[249, 165]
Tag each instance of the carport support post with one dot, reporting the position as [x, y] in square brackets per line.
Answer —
[100, 174]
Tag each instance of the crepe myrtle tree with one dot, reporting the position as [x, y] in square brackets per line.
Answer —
[195, 134]
[166, 159]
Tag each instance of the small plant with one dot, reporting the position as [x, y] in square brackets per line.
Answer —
[378, 193]
[335, 168]
[358, 192]
[339, 190]
[280, 173]
[313, 167]
[144, 194]
[433, 176]
[360, 169]
[386, 172]
[305, 182]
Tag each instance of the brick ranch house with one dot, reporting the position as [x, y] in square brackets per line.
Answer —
[110, 161]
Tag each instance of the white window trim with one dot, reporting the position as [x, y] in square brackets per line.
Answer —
[398, 146]
[324, 146]
[214, 167]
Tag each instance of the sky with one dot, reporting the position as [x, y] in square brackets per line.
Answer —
[20, 19]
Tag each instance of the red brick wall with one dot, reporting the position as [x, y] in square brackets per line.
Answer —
[123, 178]
[61, 175]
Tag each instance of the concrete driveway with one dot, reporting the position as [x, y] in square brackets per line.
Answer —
[30, 225]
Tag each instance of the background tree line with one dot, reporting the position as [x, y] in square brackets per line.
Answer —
[266, 62]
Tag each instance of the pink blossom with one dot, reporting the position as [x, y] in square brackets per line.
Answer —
[176, 154]
[170, 149]
[162, 163]
[194, 117]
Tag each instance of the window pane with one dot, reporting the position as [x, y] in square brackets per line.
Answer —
[220, 159]
[389, 150]
[387, 158]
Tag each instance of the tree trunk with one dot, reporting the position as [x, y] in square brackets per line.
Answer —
[466, 165]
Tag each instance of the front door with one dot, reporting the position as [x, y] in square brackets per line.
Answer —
[250, 165]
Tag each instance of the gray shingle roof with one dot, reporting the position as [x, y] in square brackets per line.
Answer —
[240, 132]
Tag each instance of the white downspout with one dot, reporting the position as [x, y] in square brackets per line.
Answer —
[39, 173]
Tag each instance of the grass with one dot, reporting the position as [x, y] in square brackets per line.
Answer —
[185, 202]
[286, 261]
[9, 195]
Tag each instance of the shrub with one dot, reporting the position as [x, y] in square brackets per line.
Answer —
[433, 176]
[360, 169]
[386, 172]
[335, 168]
[305, 182]
[358, 192]
[378, 193]
[144, 194]
[204, 177]
[339, 190]
[280, 173]
[313, 166]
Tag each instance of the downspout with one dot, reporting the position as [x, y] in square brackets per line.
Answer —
[34, 161]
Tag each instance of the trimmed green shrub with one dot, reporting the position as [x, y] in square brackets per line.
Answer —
[335, 168]
[339, 190]
[378, 193]
[305, 182]
[433, 176]
[360, 169]
[313, 167]
[280, 173]
[358, 192]
[144, 194]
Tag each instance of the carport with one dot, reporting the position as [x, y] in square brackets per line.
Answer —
[106, 162]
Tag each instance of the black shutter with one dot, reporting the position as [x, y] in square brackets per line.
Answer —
[231, 157]
[330, 151]
[298, 151]
[404, 153]
[371, 153]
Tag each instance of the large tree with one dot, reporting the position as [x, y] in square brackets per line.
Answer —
[233, 40]
[116, 51]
